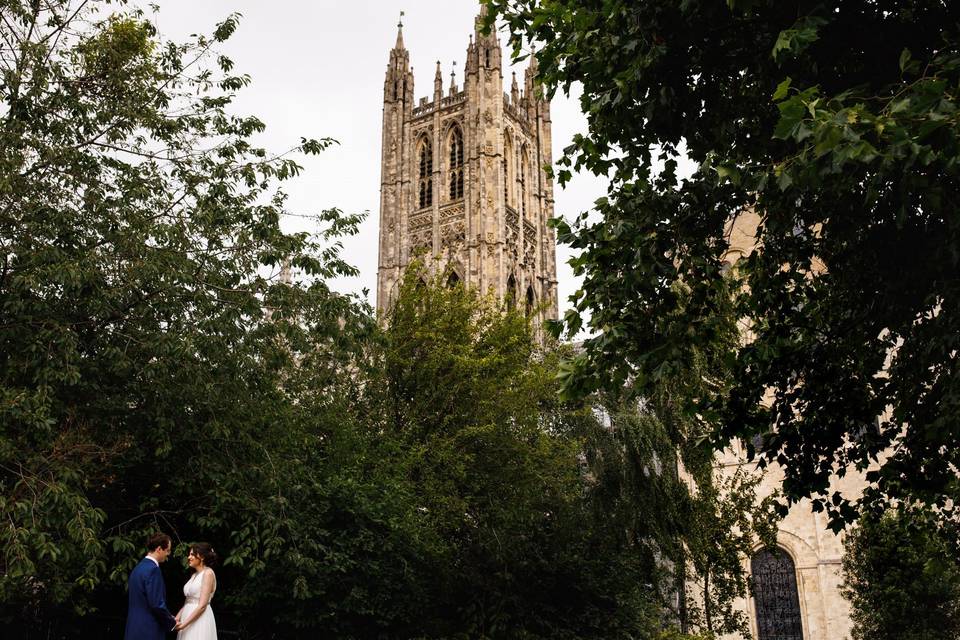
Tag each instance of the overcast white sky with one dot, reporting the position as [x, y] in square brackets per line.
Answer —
[317, 69]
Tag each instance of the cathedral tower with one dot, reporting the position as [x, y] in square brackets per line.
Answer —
[463, 183]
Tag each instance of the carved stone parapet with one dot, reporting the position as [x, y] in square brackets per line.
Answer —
[420, 220]
[453, 211]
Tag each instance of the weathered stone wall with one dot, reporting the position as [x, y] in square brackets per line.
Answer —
[815, 550]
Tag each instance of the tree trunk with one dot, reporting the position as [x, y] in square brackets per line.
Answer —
[706, 600]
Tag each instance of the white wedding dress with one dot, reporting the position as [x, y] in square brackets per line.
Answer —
[204, 627]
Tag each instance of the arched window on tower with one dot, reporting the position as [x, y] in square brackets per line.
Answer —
[511, 294]
[530, 302]
[523, 181]
[507, 166]
[455, 145]
[425, 173]
[773, 580]
[453, 279]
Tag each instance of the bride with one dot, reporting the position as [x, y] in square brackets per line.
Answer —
[195, 620]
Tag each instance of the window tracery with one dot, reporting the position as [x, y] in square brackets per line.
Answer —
[507, 166]
[425, 174]
[773, 580]
[523, 181]
[455, 145]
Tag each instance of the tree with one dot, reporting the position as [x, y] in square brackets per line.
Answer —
[158, 371]
[898, 561]
[148, 342]
[836, 124]
[727, 522]
[491, 459]
[694, 524]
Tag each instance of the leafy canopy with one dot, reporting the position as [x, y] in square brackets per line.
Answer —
[158, 371]
[144, 354]
[898, 561]
[835, 125]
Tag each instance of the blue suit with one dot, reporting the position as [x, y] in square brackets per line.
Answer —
[147, 615]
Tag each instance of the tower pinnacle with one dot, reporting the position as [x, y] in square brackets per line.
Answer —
[399, 44]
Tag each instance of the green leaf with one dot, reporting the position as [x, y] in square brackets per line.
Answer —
[904, 59]
[795, 40]
[782, 89]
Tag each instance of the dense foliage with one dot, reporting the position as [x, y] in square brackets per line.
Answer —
[419, 477]
[899, 561]
[491, 458]
[836, 123]
[141, 371]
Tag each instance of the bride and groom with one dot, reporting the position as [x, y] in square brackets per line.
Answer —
[148, 617]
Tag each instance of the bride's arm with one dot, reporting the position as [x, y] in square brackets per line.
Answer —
[206, 590]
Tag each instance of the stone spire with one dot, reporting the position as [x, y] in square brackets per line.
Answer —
[438, 83]
[399, 45]
[488, 44]
[398, 84]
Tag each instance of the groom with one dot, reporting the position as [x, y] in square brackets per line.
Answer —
[147, 614]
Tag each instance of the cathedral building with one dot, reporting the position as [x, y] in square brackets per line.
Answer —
[463, 185]
[463, 188]
[796, 587]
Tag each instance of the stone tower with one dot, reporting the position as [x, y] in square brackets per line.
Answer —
[463, 184]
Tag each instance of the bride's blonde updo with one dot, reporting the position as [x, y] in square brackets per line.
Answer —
[205, 552]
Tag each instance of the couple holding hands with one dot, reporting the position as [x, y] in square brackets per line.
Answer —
[148, 617]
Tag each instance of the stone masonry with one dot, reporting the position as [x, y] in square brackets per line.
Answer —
[463, 185]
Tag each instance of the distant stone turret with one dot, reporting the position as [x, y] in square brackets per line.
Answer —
[463, 182]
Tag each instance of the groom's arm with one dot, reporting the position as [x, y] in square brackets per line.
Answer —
[156, 594]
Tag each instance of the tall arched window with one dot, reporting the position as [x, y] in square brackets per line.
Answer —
[774, 584]
[507, 166]
[530, 301]
[511, 294]
[455, 144]
[523, 181]
[453, 279]
[425, 173]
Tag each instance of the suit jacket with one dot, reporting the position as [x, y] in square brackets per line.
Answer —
[147, 615]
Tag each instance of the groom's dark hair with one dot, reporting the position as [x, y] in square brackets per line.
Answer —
[155, 540]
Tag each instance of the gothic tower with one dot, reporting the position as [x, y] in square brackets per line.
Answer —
[463, 183]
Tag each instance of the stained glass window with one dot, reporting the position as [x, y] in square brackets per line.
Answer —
[774, 584]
